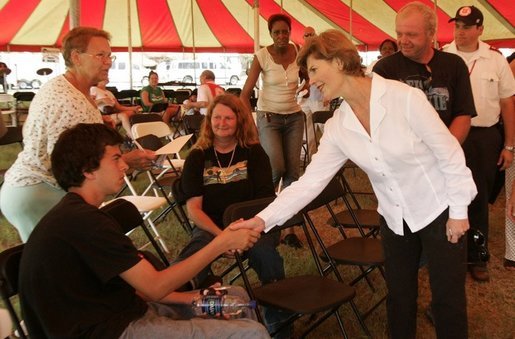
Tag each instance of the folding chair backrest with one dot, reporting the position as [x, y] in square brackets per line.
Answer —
[129, 218]
[193, 122]
[320, 117]
[144, 117]
[13, 135]
[332, 191]
[158, 128]
[9, 269]
[125, 213]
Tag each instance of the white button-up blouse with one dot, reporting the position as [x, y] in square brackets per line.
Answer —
[416, 167]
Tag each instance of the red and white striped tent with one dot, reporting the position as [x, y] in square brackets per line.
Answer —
[226, 25]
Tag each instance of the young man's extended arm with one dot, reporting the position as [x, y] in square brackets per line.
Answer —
[156, 285]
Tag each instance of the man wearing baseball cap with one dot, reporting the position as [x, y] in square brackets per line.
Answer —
[492, 86]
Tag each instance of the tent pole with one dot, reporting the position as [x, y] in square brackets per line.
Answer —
[74, 13]
[350, 19]
[256, 26]
[129, 42]
[193, 40]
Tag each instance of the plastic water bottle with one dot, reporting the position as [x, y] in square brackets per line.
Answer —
[221, 306]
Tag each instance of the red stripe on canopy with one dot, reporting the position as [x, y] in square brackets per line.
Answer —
[339, 13]
[505, 9]
[445, 32]
[12, 17]
[157, 27]
[224, 26]
[92, 13]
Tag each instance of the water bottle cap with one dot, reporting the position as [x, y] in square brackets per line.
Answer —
[252, 304]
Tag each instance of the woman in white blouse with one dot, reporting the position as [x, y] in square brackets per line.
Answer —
[417, 169]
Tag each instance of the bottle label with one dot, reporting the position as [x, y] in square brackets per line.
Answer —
[212, 305]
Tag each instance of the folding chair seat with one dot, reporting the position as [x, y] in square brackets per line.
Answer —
[234, 90]
[129, 218]
[300, 295]
[355, 216]
[9, 268]
[364, 252]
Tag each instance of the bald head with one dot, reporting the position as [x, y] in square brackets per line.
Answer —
[309, 32]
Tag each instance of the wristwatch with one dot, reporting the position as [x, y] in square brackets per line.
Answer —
[510, 148]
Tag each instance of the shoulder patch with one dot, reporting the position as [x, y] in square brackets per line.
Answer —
[492, 48]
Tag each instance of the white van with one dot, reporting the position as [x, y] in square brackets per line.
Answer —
[190, 70]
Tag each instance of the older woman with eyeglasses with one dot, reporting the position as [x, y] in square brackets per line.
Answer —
[30, 190]
[418, 173]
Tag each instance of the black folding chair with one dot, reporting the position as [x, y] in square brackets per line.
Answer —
[9, 269]
[301, 295]
[192, 124]
[128, 217]
[13, 135]
[144, 117]
[363, 252]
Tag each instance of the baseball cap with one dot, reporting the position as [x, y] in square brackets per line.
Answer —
[469, 15]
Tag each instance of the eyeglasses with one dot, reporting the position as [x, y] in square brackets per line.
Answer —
[102, 57]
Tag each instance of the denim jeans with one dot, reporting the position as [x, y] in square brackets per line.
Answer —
[447, 269]
[263, 257]
[281, 137]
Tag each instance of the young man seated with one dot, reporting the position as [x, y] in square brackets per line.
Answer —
[80, 276]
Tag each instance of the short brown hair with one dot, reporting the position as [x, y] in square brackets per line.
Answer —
[246, 132]
[329, 45]
[78, 38]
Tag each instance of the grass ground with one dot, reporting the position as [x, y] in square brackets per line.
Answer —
[491, 306]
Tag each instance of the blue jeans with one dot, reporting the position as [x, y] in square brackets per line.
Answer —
[281, 137]
[263, 257]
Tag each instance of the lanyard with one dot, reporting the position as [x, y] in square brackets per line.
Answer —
[472, 68]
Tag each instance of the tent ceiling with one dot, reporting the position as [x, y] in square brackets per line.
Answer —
[227, 25]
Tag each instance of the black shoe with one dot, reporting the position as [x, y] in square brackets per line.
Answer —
[292, 240]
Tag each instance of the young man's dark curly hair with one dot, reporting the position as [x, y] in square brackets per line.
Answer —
[80, 149]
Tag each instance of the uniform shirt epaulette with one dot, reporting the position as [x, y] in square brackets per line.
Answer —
[492, 48]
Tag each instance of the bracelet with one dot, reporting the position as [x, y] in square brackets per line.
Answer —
[510, 148]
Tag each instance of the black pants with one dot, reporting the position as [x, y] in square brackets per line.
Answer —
[482, 149]
[447, 268]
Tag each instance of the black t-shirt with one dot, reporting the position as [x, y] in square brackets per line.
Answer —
[69, 275]
[248, 177]
[446, 83]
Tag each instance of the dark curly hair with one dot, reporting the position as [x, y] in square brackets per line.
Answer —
[80, 149]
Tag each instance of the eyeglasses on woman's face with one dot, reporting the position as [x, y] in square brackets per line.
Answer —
[102, 57]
